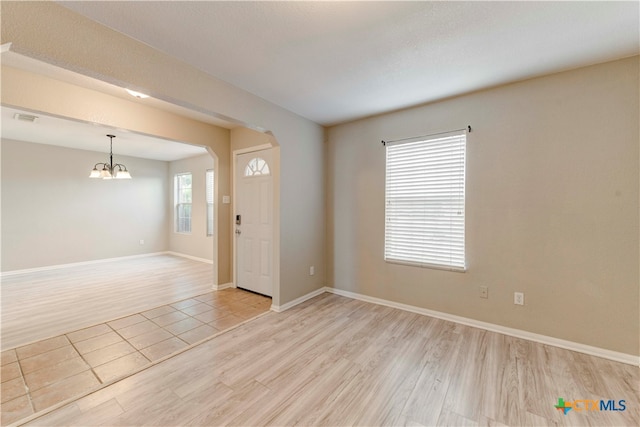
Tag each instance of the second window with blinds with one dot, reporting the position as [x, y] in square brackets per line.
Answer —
[183, 202]
[425, 201]
[209, 194]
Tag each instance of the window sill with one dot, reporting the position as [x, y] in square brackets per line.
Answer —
[429, 266]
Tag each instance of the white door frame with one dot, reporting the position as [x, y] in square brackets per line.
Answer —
[276, 216]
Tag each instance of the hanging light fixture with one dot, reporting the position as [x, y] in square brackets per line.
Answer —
[110, 170]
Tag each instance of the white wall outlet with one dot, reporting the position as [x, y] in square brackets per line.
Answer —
[141, 242]
[484, 292]
[312, 270]
[226, 199]
[518, 298]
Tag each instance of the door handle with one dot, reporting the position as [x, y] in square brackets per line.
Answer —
[238, 231]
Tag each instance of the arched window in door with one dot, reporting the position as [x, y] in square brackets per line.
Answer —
[256, 167]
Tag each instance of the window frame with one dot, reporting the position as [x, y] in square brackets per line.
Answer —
[257, 167]
[179, 204]
[425, 192]
[210, 201]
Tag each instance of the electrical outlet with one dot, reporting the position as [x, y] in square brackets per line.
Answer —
[312, 270]
[141, 242]
[484, 292]
[518, 298]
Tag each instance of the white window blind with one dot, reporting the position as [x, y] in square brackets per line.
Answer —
[425, 198]
[209, 191]
[183, 200]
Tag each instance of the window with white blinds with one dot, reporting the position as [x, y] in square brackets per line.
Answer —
[425, 198]
[183, 200]
[209, 191]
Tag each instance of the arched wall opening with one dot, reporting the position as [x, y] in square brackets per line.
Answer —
[88, 106]
[107, 56]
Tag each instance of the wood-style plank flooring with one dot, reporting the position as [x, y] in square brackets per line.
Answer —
[46, 304]
[333, 361]
[42, 374]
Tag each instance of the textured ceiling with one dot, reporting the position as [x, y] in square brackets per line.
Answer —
[336, 61]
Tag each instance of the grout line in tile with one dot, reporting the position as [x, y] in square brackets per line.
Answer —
[151, 363]
[82, 329]
[94, 374]
[24, 381]
[96, 324]
[46, 411]
[85, 360]
[118, 333]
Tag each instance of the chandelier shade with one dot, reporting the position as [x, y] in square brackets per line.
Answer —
[110, 170]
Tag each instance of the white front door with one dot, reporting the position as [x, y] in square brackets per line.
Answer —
[254, 222]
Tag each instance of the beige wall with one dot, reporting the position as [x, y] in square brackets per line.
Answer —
[59, 216]
[197, 243]
[307, 165]
[552, 206]
[49, 32]
[34, 92]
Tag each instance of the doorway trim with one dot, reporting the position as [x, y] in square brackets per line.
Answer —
[275, 298]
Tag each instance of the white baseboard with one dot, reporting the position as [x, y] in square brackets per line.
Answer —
[303, 298]
[223, 286]
[629, 359]
[77, 264]
[194, 258]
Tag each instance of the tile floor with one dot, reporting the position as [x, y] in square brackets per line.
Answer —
[39, 375]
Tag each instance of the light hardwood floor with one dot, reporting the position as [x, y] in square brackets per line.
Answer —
[40, 375]
[58, 301]
[334, 361]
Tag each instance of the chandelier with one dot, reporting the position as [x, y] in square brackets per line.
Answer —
[110, 170]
